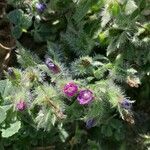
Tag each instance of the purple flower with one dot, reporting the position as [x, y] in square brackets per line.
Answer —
[70, 89]
[40, 7]
[126, 103]
[53, 67]
[11, 72]
[85, 97]
[90, 123]
[21, 105]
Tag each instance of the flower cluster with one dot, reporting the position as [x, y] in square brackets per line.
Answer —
[84, 97]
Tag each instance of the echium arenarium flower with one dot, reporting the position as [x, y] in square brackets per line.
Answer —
[126, 103]
[70, 89]
[85, 97]
[21, 105]
[40, 7]
[11, 72]
[52, 66]
[90, 123]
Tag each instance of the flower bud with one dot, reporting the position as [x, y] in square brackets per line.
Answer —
[53, 67]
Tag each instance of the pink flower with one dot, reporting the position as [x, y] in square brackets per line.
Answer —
[85, 97]
[21, 105]
[70, 89]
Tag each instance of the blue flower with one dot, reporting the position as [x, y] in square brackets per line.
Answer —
[41, 7]
[10, 72]
[90, 123]
[126, 103]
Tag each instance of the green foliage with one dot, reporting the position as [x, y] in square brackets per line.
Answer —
[82, 8]
[102, 46]
[123, 29]
[77, 40]
[2, 86]
[25, 58]
[11, 130]
[2, 115]
[21, 22]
